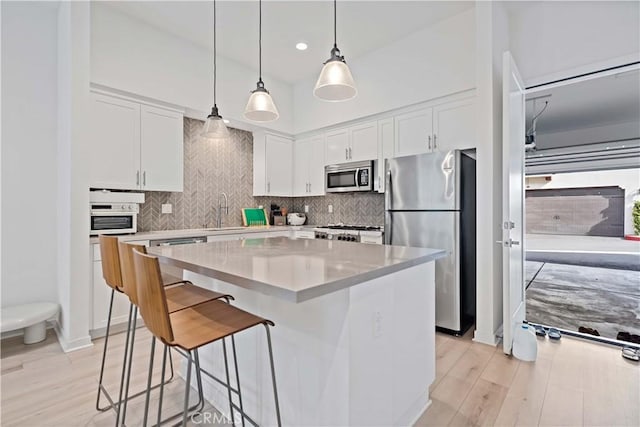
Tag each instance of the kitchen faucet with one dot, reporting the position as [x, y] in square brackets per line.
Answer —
[222, 196]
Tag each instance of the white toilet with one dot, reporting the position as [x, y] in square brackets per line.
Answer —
[31, 317]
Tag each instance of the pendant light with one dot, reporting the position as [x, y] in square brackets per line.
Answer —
[260, 107]
[214, 128]
[335, 82]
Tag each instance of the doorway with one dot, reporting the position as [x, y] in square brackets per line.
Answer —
[582, 179]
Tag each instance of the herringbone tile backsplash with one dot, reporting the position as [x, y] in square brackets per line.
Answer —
[227, 166]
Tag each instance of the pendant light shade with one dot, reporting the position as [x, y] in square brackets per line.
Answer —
[214, 128]
[335, 82]
[260, 107]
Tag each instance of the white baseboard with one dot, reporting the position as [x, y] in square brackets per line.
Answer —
[489, 339]
[73, 345]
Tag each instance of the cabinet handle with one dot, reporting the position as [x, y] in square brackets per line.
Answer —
[268, 187]
[346, 154]
[434, 140]
[137, 178]
[350, 154]
[309, 187]
[144, 178]
[429, 143]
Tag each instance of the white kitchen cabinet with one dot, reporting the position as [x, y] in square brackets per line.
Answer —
[363, 142]
[386, 138]
[308, 167]
[161, 149]
[134, 146]
[413, 132]
[272, 165]
[454, 125]
[337, 143]
[353, 144]
[114, 144]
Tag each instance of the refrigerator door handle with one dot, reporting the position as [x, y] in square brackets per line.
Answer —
[388, 195]
[388, 229]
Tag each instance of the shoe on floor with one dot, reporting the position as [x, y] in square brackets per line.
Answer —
[631, 353]
[624, 336]
[540, 331]
[589, 331]
[554, 334]
[635, 339]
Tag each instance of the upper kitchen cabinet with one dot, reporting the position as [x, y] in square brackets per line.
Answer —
[353, 144]
[454, 125]
[337, 143]
[308, 167]
[161, 150]
[114, 146]
[413, 132]
[272, 165]
[135, 146]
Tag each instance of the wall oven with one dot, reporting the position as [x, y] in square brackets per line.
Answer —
[347, 177]
[113, 212]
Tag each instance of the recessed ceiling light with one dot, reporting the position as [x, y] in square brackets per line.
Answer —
[226, 121]
[301, 46]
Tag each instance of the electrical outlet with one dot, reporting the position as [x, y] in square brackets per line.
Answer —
[167, 208]
[330, 208]
[306, 208]
[377, 324]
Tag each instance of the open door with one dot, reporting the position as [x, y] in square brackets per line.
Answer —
[513, 138]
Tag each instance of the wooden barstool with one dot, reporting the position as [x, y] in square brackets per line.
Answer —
[180, 294]
[190, 328]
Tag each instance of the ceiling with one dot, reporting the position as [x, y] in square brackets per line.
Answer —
[600, 101]
[363, 26]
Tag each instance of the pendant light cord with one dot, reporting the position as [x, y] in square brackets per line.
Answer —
[214, 54]
[260, 41]
[335, 25]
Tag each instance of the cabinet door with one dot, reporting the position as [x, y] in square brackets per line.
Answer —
[454, 125]
[385, 149]
[279, 154]
[337, 147]
[316, 166]
[301, 160]
[101, 298]
[161, 149]
[364, 142]
[413, 132]
[114, 144]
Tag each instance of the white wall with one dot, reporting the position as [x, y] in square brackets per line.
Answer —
[628, 179]
[591, 135]
[430, 63]
[133, 56]
[29, 196]
[550, 39]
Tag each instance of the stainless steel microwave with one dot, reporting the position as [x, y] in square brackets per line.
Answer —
[347, 177]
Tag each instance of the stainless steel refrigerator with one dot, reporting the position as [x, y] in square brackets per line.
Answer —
[430, 202]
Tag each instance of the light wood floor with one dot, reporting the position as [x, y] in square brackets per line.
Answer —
[572, 383]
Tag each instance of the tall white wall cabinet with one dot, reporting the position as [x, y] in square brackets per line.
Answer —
[135, 146]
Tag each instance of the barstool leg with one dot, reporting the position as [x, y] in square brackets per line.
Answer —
[186, 391]
[235, 364]
[104, 355]
[133, 340]
[164, 368]
[124, 366]
[148, 397]
[200, 406]
[273, 374]
[226, 370]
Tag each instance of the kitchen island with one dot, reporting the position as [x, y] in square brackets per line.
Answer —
[354, 341]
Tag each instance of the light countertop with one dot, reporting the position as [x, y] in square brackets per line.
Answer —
[196, 232]
[294, 269]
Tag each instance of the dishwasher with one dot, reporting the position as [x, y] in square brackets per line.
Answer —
[170, 269]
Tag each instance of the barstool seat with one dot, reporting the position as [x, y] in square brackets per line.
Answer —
[185, 294]
[208, 322]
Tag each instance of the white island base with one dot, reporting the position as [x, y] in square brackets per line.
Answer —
[360, 356]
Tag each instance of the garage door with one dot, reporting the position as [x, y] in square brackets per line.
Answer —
[593, 211]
